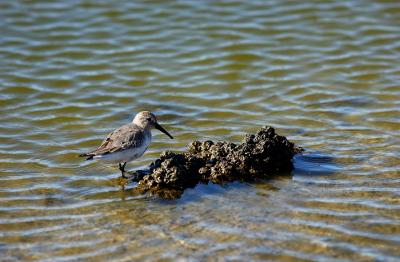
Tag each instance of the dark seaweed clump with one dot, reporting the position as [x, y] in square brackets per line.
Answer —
[258, 156]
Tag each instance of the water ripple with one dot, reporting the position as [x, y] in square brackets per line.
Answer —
[325, 74]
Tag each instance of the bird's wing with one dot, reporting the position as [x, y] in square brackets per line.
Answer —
[127, 136]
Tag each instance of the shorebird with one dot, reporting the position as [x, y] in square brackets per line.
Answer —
[127, 142]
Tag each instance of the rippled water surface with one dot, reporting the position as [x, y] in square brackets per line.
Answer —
[326, 74]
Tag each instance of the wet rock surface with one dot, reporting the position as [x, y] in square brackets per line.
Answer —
[259, 156]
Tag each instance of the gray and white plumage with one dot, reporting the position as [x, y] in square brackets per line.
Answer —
[127, 142]
[124, 144]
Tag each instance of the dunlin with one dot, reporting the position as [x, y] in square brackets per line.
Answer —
[127, 142]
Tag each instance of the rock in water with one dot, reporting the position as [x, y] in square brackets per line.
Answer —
[258, 156]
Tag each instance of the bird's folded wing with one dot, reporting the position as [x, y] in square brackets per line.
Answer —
[125, 137]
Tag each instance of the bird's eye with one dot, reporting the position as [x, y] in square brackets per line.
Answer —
[148, 119]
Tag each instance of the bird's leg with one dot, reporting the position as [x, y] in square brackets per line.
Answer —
[122, 169]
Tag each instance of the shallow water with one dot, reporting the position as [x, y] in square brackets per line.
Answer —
[326, 74]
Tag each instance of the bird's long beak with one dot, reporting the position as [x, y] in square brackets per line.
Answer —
[156, 125]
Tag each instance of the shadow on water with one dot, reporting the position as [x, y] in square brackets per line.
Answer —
[197, 193]
[210, 189]
[314, 163]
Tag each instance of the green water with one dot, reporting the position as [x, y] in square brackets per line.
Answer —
[326, 74]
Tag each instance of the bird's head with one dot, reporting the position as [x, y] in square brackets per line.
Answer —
[147, 119]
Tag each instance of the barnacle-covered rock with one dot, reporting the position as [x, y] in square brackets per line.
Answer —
[261, 155]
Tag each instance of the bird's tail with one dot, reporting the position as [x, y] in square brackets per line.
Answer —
[87, 155]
